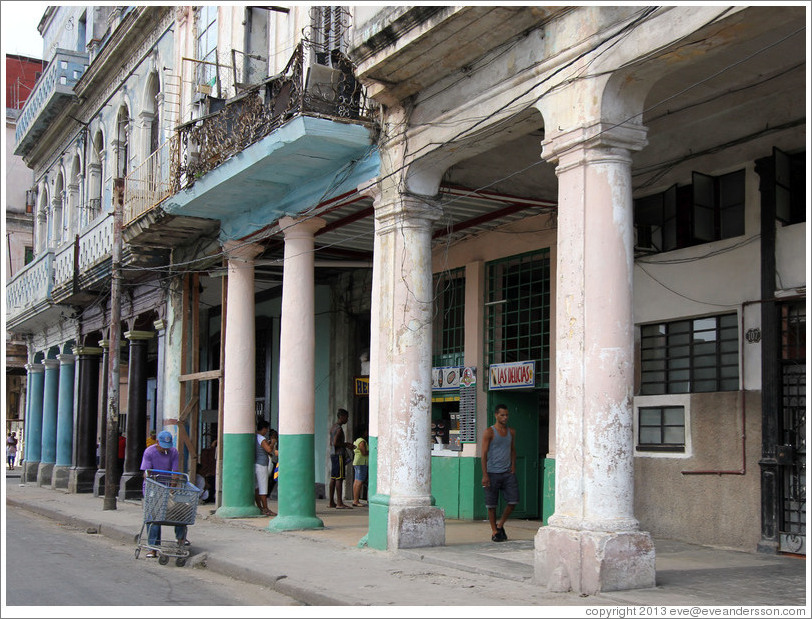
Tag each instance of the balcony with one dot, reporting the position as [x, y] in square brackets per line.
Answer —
[28, 294]
[291, 132]
[53, 90]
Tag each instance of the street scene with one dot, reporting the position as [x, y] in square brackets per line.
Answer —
[407, 305]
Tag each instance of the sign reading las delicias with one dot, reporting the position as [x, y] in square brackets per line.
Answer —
[512, 375]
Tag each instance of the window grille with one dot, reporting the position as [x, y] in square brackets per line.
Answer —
[695, 355]
[661, 428]
[517, 316]
[449, 318]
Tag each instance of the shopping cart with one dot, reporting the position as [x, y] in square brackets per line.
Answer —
[169, 499]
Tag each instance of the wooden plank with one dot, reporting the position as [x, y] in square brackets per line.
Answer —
[207, 375]
[189, 408]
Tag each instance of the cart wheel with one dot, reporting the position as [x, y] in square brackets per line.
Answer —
[163, 559]
[137, 552]
[180, 561]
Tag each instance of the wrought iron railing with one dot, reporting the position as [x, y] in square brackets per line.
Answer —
[151, 182]
[331, 91]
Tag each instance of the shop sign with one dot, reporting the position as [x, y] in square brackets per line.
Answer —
[362, 386]
[512, 375]
[446, 378]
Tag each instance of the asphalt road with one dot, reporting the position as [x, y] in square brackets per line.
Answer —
[48, 564]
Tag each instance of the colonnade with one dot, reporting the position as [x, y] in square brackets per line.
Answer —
[64, 410]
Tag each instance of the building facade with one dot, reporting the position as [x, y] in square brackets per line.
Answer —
[594, 215]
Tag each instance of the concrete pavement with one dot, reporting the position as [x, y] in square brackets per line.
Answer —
[326, 567]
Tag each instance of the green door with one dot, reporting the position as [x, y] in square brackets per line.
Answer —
[523, 416]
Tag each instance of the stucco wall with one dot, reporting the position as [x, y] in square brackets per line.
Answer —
[711, 508]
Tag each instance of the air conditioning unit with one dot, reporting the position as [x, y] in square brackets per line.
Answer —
[322, 88]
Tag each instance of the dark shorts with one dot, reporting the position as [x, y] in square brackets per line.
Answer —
[337, 466]
[506, 482]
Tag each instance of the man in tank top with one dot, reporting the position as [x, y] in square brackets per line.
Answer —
[499, 471]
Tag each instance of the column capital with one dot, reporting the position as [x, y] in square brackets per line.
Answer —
[292, 227]
[601, 139]
[34, 368]
[160, 325]
[139, 335]
[66, 359]
[50, 364]
[87, 350]
[241, 250]
[408, 210]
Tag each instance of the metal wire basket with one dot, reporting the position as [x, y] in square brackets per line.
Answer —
[169, 498]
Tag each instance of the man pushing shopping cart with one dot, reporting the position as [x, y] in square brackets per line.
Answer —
[169, 499]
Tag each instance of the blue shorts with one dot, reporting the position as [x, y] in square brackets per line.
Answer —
[336, 466]
[361, 471]
[506, 482]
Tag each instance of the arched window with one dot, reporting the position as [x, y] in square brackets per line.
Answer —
[121, 145]
[95, 180]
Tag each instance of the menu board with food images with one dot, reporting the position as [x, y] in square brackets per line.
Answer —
[446, 378]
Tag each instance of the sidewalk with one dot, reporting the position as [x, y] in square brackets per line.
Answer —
[325, 567]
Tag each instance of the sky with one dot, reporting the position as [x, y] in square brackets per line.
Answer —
[19, 28]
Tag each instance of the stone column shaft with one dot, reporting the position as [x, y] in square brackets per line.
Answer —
[83, 472]
[50, 401]
[64, 422]
[130, 486]
[593, 543]
[297, 346]
[239, 416]
[33, 426]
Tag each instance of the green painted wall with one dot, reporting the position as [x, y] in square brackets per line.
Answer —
[378, 503]
[238, 477]
[548, 491]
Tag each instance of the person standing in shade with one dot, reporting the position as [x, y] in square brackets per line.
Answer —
[499, 471]
[262, 456]
[163, 457]
[337, 463]
[360, 465]
[11, 450]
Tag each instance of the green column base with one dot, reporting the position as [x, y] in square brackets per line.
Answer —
[243, 511]
[364, 541]
[295, 523]
[378, 537]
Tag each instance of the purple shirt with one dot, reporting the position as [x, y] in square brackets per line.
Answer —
[154, 459]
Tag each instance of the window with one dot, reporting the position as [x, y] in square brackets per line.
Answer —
[710, 209]
[661, 428]
[690, 356]
[207, 45]
[29, 254]
[449, 318]
[790, 187]
[517, 312]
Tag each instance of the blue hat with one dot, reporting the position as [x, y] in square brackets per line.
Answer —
[165, 439]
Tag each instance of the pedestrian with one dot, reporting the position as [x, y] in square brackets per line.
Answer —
[201, 484]
[262, 456]
[11, 450]
[337, 461]
[273, 463]
[152, 439]
[208, 468]
[360, 465]
[163, 457]
[499, 471]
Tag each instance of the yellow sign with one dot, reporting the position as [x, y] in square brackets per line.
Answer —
[362, 386]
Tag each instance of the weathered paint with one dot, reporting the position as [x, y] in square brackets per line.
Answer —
[50, 400]
[238, 479]
[296, 491]
[64, 430]
[33, 426]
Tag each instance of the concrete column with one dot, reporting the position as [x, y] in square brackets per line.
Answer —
[132, 479]
[593, 543]
[239, 416]
[297, 346]
[64, 422]
[98, 479]
[33, 424]
[50, 400]
[403, 374]
[83, 473]
[160, 328]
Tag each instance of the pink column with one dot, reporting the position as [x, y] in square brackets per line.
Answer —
[592, 542]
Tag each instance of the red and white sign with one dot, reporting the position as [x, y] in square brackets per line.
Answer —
[517, 375]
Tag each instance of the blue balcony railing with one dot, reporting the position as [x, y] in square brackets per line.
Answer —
[50, 94]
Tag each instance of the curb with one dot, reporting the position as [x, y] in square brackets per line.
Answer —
[224, 567]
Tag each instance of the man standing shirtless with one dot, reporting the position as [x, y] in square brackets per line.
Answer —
[337, 463]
